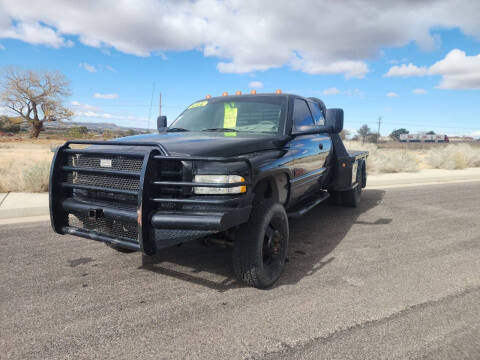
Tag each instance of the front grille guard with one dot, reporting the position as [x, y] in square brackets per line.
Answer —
[60, 191]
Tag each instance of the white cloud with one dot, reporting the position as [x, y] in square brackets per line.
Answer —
[110, 68]
[35, 33]
[391, 94]
[356, 69]
[91, 112]
[406, 71]
[256, 84]
[331, 91]
[248, 35]
[475, 134]
[105, 96]
[457, 69]
[80, 107]
[335, 91]
[108, 116]
[419, 91]
[88, 67]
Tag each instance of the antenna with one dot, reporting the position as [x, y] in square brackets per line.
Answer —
[151, 104]
[160, 105]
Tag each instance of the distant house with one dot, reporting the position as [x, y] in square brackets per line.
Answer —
[436, 138]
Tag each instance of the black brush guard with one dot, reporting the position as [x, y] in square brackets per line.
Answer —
[147, 214]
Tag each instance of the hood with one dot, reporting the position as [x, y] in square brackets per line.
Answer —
[208, 144]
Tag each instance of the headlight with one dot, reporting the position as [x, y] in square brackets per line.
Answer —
[219, 179]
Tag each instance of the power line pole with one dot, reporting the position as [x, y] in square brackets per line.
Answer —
[379, 123]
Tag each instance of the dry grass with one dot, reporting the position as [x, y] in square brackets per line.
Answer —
[444, 156]
[25, 164]
[387, 160]
[454, 156]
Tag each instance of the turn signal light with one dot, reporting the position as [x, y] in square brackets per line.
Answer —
[208, 96]
[238, 92]
[278, 91]
[253, 92]
[225, 93]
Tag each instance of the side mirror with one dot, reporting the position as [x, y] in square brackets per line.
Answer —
[161, 123]
[334, 120]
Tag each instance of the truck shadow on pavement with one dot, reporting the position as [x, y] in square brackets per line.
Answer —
[312, 238]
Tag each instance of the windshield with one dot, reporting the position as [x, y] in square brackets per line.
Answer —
[260, 114]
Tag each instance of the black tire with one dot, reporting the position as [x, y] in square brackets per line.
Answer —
[120, 249]
[352, 197]
[261, 245]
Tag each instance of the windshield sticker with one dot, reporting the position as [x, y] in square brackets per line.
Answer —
[198, 104]
[230, 134]
[230, 116]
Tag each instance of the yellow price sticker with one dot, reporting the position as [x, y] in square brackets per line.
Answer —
[230, 116]
[198, 104]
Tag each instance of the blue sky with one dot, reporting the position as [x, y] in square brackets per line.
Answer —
[426, 79]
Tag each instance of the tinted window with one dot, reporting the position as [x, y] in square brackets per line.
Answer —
[301, 113]
[317, 113]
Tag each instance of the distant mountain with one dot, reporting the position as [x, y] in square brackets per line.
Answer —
[65, 125]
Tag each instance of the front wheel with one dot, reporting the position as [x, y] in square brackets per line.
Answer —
[261, 245]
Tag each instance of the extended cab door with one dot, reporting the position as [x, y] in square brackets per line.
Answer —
[307, 154]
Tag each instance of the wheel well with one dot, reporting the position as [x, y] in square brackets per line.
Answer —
[272, 187]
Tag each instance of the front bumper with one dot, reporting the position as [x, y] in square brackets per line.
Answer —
[151, 221]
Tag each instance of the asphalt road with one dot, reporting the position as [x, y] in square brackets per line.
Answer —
[398, 277]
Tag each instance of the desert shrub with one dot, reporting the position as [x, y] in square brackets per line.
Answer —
[35, 178]
[386, 161]
[78, 132]
[24, 167]
[453, 156]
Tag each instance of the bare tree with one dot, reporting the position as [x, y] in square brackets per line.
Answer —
[363, 132]
[36, 96]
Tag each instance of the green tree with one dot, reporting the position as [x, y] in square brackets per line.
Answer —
[130, 132]
[395, 134]
[373, 137]
[363, 132]
[431, 132]
[78, 131]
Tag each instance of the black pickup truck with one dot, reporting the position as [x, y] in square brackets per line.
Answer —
[231, 169]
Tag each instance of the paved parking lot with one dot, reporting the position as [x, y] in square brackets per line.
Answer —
[398, 277]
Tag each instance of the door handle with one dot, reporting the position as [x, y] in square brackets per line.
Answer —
[320, 146]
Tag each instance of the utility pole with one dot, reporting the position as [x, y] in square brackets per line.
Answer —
[379, 123]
